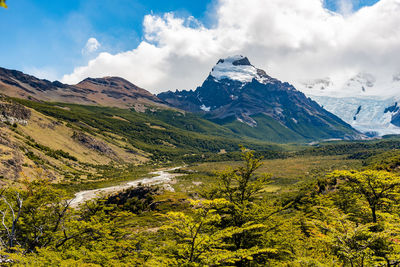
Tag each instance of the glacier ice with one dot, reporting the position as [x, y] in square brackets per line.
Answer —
[364, 114]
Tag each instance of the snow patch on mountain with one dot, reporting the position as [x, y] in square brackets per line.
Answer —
[204, 108]
[237, 68]
[368, 115]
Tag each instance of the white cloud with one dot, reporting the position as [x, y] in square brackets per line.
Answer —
[291, 40]
[92, 45]
[345, 7]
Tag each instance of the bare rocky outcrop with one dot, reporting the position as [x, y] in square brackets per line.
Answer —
[12, 160]
[14, 113]
[93, 143]
[12, 166]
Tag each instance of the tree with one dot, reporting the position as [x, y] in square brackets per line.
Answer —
[376, 187]
[32, 214]
[248, 217]
[227, 229]
[195, 235]
[3, 3]
[241, 187]
[354, 244]
[10, 222]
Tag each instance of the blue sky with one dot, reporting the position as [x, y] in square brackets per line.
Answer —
[50, 34]
[47, 36]
[357, 4]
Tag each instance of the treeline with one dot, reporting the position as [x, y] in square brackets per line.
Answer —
[181, 135]
[360, 148]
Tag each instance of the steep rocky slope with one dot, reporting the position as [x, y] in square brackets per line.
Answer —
[248, 101]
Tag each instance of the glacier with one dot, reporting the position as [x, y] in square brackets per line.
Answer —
[367, 114]
[363, 100]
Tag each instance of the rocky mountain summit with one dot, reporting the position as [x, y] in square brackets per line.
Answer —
[235, 90]
[236, 94]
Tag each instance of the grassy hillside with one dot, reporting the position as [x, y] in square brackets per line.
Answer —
[74, 143]
[269, 129]
[44, 145]
[164, 134]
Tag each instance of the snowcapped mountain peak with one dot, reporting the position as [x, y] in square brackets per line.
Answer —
[358, 84]
[237, 60]
[238, 68]
[238, 94]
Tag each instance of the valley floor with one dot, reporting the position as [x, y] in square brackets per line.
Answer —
[161, 177]
[294, 215]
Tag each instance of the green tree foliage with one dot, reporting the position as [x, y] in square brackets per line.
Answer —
[386, 161]
[32, 214]
[378, 188]
[229, 228]
[195, 237]
[345, 218]
[245, 216]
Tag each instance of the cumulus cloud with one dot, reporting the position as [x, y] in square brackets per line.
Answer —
[292, 40]
[345, 7]
[92, 45]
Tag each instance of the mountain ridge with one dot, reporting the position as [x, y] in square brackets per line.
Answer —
[236, 95]
[236, 89]
[106, 91]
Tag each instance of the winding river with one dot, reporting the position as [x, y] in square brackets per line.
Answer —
[162, 177]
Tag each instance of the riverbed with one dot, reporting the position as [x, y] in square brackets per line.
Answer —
[162, 177]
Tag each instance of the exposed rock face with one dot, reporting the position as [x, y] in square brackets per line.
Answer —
[11, 160]
[107, 91]
[236, 89]
[14, 113]
[93, 143]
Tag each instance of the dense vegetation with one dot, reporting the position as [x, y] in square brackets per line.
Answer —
[168, 135]
[342, 218]
[325, 204]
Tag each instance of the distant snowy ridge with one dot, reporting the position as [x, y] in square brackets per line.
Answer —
[251, 103]
[367, 114]
[360, 85]
[367, 102]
